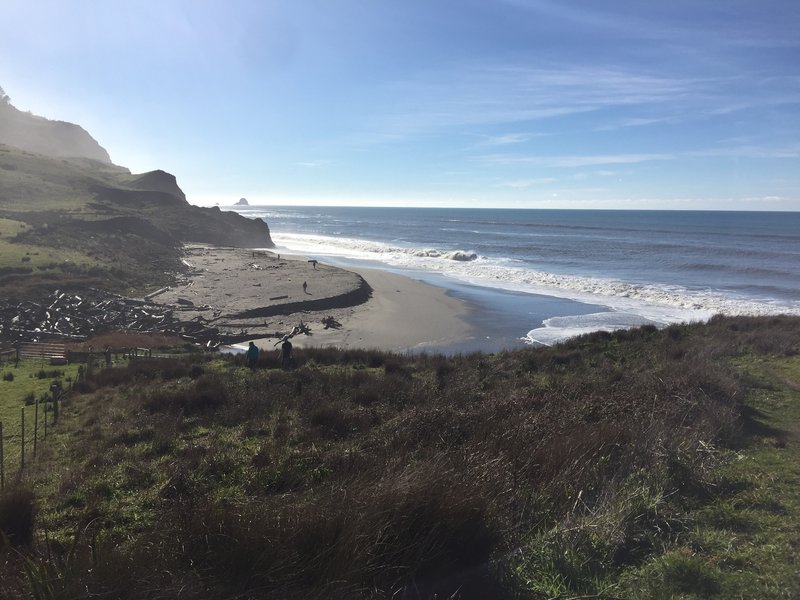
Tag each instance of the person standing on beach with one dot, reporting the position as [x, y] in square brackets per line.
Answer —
[252, 355]
[305, 287]
[286, 355]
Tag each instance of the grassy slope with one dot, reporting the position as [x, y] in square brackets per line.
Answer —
[742, 540]
[77, 223]
[41, 198]
[31, 182]
[625, 465]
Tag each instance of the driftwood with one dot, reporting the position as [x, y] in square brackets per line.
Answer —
[73, 316]
[331, 323]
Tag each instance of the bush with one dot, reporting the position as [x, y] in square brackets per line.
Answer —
[367, 474]
[52, 374]
[8, 376]
[207, 393]
[17, 515]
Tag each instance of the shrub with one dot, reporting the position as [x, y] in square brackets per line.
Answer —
[17, 515]
[8, 376]
[52, 374]
[683, 573]
[207, 393]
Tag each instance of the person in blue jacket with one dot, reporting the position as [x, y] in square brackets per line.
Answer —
[252, 355]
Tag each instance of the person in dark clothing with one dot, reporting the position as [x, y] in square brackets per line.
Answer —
[107, 355]
[252, 355]
[287, 358]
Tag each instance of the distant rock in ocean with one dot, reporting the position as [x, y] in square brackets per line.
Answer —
[242, 202]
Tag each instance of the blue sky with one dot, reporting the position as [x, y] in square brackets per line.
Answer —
[684, 104]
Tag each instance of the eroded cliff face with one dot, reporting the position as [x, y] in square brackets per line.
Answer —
[58, 139]
[91, 181]
[157, 197]
[80, 221]
[158, 181]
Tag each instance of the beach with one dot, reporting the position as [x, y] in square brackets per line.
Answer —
[260, 295]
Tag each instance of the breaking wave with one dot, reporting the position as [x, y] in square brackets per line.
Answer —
[365, 249]
[660, 303]
[469, 267]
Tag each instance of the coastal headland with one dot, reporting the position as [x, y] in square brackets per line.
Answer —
[260, 295]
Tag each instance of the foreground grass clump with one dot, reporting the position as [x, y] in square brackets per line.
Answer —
[591, 469]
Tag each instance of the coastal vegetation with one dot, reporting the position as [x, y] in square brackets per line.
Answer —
[73, 223]
[636, 464]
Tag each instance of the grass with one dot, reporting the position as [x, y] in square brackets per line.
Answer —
[10, 227]
[77, 223]
[31, 377]
[625, 465]
[20, 385]
[31, 257]
[45, 238]
[743, 542]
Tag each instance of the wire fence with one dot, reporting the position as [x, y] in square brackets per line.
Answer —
[20, 444]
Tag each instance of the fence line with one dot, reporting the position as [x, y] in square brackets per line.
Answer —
[57, 396]
[24, 440]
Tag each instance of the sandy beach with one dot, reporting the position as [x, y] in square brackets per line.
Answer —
[262, 296]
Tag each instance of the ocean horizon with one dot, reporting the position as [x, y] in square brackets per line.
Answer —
[538, 276]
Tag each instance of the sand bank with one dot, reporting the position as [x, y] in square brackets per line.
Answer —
[260, 295]
[402, 314]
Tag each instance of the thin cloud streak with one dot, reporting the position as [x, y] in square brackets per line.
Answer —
[500, 95]
[313, 164]
[520, 184]
[507, 139]
[572, 161]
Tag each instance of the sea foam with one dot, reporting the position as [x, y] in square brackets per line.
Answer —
[659, 303]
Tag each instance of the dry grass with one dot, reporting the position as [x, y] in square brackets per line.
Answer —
[363, 474]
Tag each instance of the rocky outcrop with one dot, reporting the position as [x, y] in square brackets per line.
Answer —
[51, 138]
[158, 181]
[172, 214]
[242, 202]
[121, 231]
[223, 228]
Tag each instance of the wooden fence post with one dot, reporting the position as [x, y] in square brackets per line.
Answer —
[22, 440]
[35, 426]
[2, 461]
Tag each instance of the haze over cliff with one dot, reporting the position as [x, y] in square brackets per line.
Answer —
[61, 197]
[43, 136]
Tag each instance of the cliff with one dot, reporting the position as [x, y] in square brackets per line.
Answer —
[71, 218]
[51, 138]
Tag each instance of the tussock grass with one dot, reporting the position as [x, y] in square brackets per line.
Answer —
[555, 472]
[17, 515]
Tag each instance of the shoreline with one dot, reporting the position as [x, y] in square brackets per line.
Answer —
[259, 295]
[403, 315]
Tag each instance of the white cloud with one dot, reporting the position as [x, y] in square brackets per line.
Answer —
[573, 160]
[508, 138]
[748, 151]
[520, 184]
[313, 164]
[496, 95]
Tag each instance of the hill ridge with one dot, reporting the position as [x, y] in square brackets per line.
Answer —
[58, 139]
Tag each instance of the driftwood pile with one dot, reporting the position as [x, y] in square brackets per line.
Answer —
[71, 315]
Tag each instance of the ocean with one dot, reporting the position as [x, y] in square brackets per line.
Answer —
[540, 276]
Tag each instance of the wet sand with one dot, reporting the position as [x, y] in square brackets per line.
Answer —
[260, 295]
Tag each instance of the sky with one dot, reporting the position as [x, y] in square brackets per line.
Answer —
[620, 104]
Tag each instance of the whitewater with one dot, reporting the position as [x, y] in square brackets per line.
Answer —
[609, 269]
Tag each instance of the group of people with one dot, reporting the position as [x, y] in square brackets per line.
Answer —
[286, 354]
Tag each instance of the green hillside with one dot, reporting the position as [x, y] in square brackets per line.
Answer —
[638, 464]
[72, 223]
